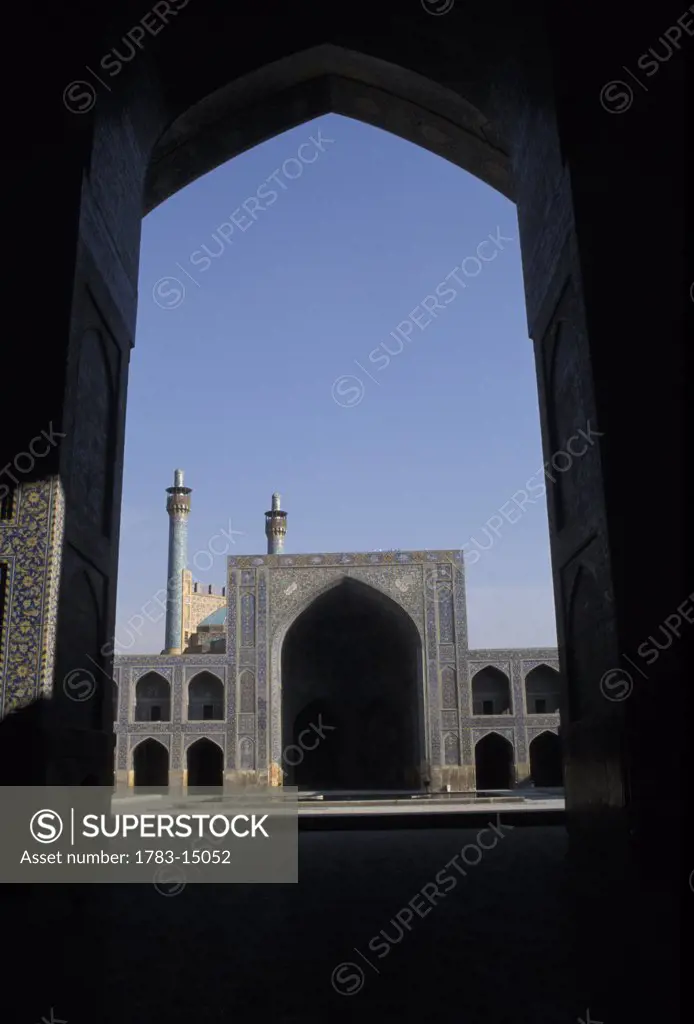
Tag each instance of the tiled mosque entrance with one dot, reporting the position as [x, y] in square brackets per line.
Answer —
[351, 682]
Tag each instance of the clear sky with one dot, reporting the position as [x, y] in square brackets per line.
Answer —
[271, 361]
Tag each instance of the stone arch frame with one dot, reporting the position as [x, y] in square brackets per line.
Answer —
[101, 249]
[319, 80]
[104, 265]
[277, 643]
[132, 710]
[198, 671]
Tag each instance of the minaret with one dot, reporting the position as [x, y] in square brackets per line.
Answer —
[178, 507]
[275, 527]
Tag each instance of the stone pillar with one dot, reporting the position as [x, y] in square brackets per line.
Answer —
[616, 539]
[76, 401]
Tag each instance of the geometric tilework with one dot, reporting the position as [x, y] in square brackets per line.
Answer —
[30, 548]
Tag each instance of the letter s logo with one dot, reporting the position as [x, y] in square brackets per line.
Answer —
[46, 826]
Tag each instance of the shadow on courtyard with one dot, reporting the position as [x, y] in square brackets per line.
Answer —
[495, 946]
[507, 942]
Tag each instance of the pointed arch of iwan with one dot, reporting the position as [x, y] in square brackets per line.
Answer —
[282, 630]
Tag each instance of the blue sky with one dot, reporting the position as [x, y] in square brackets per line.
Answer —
[291, 347]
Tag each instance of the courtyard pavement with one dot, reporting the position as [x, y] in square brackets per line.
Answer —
[493, 947]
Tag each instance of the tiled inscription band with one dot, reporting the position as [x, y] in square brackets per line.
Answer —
[95, 834]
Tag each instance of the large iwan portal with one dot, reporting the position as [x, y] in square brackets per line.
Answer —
[351, 705]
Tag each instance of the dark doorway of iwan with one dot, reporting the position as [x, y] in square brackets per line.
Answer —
[351, 705]
[315, 753]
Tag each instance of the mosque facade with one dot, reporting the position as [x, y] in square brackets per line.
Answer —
[346, 671]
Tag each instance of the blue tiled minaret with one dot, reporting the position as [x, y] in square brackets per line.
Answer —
[275, 527]
[178, 507]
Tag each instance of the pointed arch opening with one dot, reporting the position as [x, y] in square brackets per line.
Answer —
[542, 690]
[491, 692]
[205, 698]
[152, 698]
[150, 765]
[318, 80]
[546, 768]
[205, 765]
[353, 656]
[494, 763]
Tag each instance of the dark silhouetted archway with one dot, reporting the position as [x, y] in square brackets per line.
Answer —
[356, 654]
[494, 762]
[205, 763]
[546, 760]
[151, 764]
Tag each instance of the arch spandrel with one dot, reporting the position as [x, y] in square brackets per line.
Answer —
[163, 672]
[535, 733]
[135, 741]
[191, 741]
[292, 591]
[506, 734]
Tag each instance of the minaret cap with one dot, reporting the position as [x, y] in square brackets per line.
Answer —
[178, 501]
